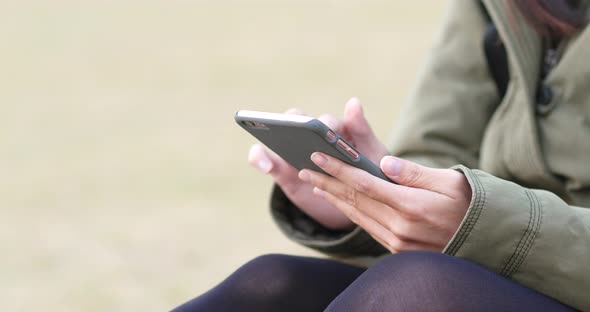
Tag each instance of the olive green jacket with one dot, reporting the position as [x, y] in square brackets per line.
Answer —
[530, 168]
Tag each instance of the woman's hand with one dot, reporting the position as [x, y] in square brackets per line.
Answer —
[356, 130]
[421, 212]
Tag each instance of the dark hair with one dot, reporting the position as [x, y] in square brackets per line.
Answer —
[552, 18]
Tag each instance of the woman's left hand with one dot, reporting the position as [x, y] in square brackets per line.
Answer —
[421, 212]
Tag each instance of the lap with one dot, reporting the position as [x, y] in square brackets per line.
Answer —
[426, 281]
[409, 281]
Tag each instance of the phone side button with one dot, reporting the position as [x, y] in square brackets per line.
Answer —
[331, 136]
[348, 149]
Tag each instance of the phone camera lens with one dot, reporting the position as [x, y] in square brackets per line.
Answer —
[255, 124]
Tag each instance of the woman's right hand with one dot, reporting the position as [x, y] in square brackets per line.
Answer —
[356, 130]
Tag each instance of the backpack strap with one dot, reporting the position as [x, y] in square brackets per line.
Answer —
[496, 55]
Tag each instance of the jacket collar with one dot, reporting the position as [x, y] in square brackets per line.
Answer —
[524, 49]
[523, 44]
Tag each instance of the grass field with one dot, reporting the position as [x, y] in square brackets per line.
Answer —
[124, 183]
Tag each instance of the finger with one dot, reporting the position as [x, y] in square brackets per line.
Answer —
[375, 230]
[399, 197]
[369, 206]
[411, 174]
[329, 120]
[332, 122]
[270, 163]
[354, 118]
[258, 158]
[402, 223]
[383, 235]
[360, 132]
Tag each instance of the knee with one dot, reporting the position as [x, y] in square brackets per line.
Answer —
[252, 287]
[418, 262]
[421, 265]
[402, 280]
[268, 276]
[270, 267]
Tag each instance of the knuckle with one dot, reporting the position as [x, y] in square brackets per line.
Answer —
[412, 214]
[402, 231]
[414, 175]
[409, 208]
[364, 185]
[351, 196]
[418, 212]
[404, 201]
[335, 169]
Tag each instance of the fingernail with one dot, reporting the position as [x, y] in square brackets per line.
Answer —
[391, 166]
[304, 176]
[319, 159]
[264, 165]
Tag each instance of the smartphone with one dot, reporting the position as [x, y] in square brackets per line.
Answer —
[295, 138]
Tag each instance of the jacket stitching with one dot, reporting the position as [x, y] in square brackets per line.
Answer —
[506, 267]
[525, 240]
[453, 248]
[538, 222]
[478, 205]
[533, 233]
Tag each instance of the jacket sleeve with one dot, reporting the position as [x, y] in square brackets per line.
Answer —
[454, 92]
[529, 235]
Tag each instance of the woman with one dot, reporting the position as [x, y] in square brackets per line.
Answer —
[505, 94]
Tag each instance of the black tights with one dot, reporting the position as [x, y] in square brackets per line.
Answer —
[410, 281]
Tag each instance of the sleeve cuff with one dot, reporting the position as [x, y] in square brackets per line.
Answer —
[500, 226]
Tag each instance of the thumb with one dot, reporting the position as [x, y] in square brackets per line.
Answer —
[332, 123]
[268, 162]
[357, 125]
[360, 133]
[259, 159]
[407, 173]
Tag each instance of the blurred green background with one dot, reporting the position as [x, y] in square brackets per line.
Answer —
[124, 183]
